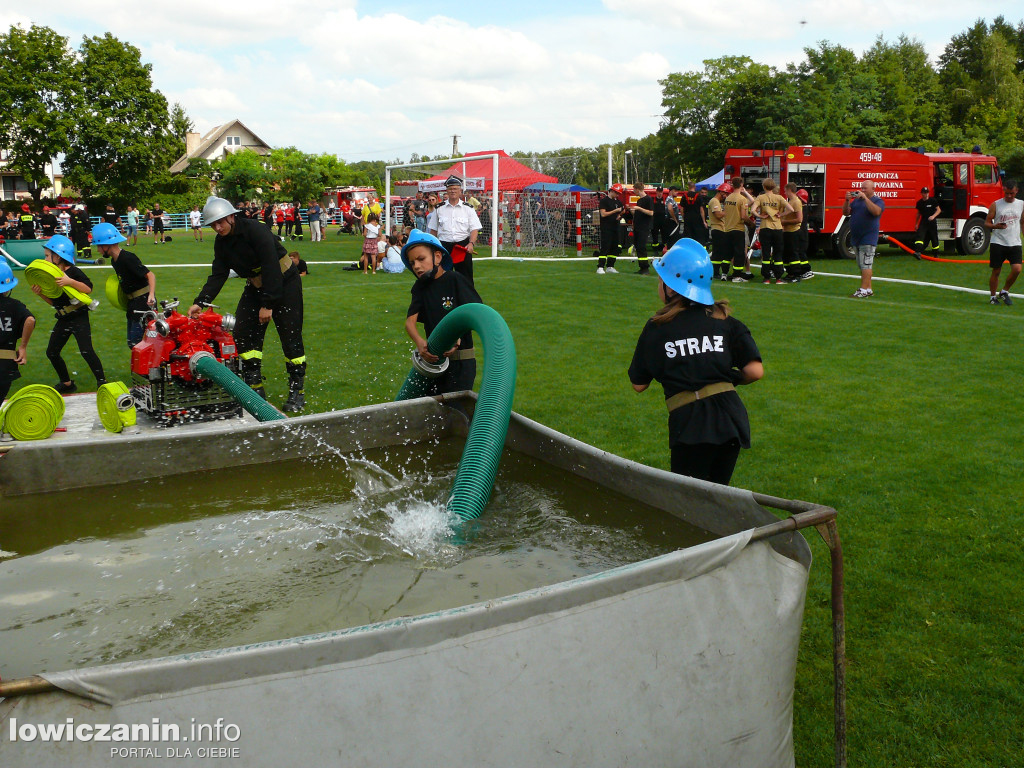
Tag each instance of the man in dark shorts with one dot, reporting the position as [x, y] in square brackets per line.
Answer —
[1006, 220]
[158, 224]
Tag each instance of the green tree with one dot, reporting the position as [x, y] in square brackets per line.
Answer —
[244, 175]
[122, 137]
[909, 99]
[38, 101]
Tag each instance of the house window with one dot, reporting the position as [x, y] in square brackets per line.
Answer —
[234, 141]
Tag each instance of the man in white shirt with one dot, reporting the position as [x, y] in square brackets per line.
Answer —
[456, 224]
[196, 220]
[1006, 220]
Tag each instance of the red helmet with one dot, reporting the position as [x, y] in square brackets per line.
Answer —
[25, 208]
[802, 194]
[725, 187]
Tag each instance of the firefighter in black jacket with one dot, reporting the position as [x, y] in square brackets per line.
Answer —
[273, 292]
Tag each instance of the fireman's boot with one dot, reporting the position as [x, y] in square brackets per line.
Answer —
[296, 388]
[252, 374]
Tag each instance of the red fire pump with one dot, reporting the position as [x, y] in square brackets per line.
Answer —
[162, 383]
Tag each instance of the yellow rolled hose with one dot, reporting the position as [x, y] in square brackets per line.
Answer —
[116, 406]
[32, 413]
[44, 274]
[115, 294]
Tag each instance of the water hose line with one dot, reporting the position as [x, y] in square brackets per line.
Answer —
[478, 467]
[208, 367]
[918, 255]
[32, 413]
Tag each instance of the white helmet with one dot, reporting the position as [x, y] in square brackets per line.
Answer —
[217, 208]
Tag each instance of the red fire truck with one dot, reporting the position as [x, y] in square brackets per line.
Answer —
[965, 184]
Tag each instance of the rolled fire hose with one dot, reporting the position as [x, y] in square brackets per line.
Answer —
[207, 366]
[115, 293]
[32, 413]
[116, 406]
[44, 274]
[478, 467]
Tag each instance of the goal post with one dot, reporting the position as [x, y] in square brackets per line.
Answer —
[447, 164]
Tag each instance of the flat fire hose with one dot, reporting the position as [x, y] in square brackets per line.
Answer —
[44, 274]
[115, 293]
[116, 406]
[32, 413]
[919, 255]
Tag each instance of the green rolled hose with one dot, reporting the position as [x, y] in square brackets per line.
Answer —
[32, 413]
[116, 406]
[207, 366]
[478, 467]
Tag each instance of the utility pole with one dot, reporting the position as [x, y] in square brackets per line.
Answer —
[455, 145]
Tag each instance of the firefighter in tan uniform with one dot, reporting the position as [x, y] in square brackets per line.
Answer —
[794, 237]
[770, 207]
[716, 223]
[737, 216]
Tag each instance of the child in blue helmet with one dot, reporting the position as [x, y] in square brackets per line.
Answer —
[72, 317]
[437, 291]
[137, 282]
[699, 354]
[16, 324]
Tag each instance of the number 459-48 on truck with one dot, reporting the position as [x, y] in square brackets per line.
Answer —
[965, 184]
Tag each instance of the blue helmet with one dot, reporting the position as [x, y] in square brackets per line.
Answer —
[419, 237]
[61, 246]
[106, 234]
[686, 269]
[7, 278]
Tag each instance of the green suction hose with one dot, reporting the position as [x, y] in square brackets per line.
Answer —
[474, 479]
[32, 413]
[206, 365]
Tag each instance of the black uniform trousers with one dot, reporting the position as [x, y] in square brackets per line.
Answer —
[464, 267]
[714, 463]
[771, 253]
[609, 246]
[928, 232]
[794, 252]
[460, 376]
[719, 253]
[736, 248]
[641, 232]
[287, 319]
[76, 324]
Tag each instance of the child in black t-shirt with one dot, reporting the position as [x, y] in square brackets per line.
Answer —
[72, 317]
[16, 324]
[437, 291]
[699, 354]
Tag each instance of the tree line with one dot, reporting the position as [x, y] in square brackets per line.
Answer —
[96, 109]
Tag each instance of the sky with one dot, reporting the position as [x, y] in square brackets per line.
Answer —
[381, 81]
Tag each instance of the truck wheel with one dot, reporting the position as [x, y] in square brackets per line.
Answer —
[974, 238]
[841, 243]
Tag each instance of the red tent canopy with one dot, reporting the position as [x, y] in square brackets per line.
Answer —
[512, 175]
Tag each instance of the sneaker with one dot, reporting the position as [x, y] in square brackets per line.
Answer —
[863, 293]
[740, 279]
[788, 280]
[766, 281]
[806, 275]
[612, 271]
[993, 299]
[1004, 296]
[66, 389]
[600, 270]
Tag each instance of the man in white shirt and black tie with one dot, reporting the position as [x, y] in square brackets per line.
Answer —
[456, 224]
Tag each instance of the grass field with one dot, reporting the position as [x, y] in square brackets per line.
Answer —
[901, 411]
